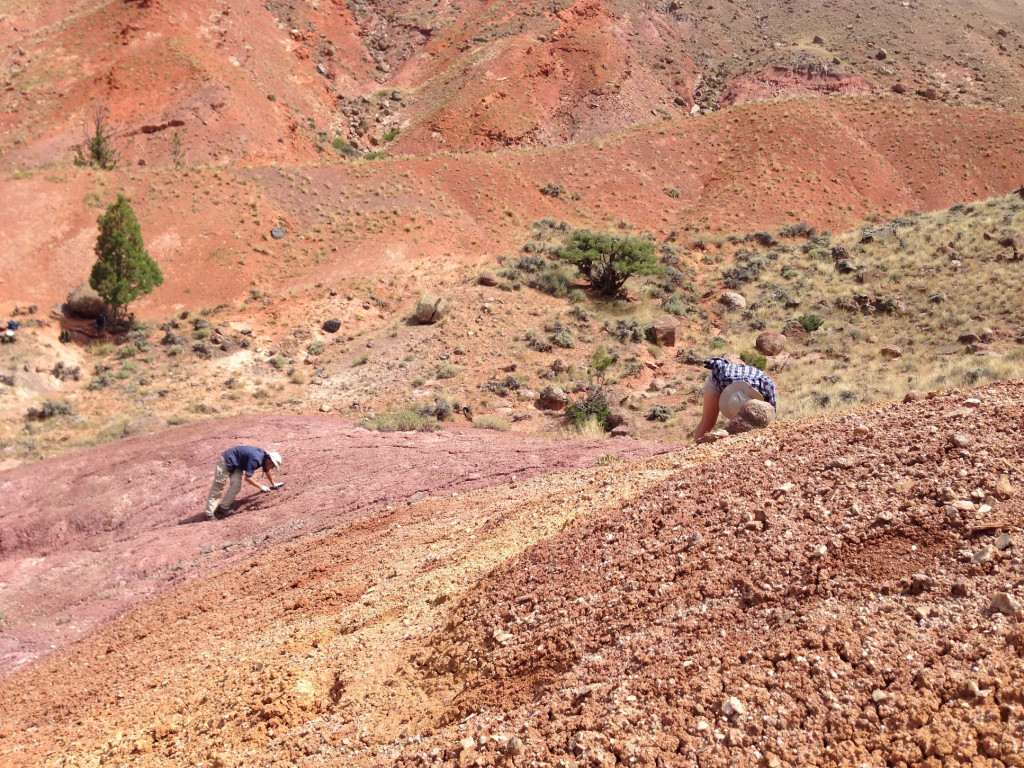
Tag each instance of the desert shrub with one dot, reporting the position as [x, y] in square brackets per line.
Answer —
[660, 413]
[747, 268]
[202, 333]
[403, 420]
[577, 296]
[552, 190]
[490, 422]
[48, 410]
[810, 322]
[440, 409]
[625, 331]
[563, 338]
[675, 304]
[316, 347]
[594, 404]
[672, 192]
[447, 371]
[756, 359]
[608, 261]
[554, 281]
[579, 314]
[66, 372]
[279, 361]
[537, 343]
[297, 377]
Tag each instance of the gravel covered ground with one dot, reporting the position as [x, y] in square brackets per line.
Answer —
[840, 592]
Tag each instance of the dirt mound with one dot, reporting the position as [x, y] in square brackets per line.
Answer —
[830, 594]
[86, 536]
[836, 580]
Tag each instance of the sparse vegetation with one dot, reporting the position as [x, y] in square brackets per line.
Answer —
[608, 261]
[491, 422]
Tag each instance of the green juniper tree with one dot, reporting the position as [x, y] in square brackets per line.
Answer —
[123, 270]
[608, 261]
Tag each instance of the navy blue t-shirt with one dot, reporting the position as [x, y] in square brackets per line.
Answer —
[244, 457]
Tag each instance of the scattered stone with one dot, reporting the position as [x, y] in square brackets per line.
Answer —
[732, 707]
[714, 436]
[657, 385]
[984, 555]
[333, 325]
[1003, 541]
[552, 399]
[431, 309]
[770, 343]
[920, 582]
[961, 588]
[1006, 603]
[1004, 488]
[755, 414]
[663, 332]
[818, 40]
[488, 279]
[959, 440]
[623, 430]
[972, 402]
[913, 396]
[878, 696]
[618, 416]
[891, 353]
[85, 302]
[278, 232]
[559, 365]
[795, 330]
[325, 408]
[732, 300]
[968, 338]
[861, 432]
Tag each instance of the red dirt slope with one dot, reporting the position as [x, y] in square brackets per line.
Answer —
[831, 593]
[88, 535]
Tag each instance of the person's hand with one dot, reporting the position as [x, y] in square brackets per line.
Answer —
[265, 489]
[278, 485]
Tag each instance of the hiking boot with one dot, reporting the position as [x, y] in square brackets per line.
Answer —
[223, 512]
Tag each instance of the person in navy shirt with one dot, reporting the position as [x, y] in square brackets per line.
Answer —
[727, 387]
[236, 463]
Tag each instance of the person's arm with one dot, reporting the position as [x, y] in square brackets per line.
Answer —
[249, 479]
[710, 415]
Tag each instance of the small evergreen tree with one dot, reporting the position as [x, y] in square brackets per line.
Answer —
[608, 261]
[97, 149]
[123, 270]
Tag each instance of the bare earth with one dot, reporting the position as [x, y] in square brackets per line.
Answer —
[840, 592]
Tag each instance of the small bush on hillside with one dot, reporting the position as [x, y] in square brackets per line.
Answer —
[490, 422]
[279, 361]
[660, 413]
[554, 281]
[625, 331]
[48, 410]
[810, 322]
[402, 420]
[747, 269]
[756, 359]
[447, 371]
[552, 190]
[563, 338]
[316, 347]
[594, 404]
[537, 343]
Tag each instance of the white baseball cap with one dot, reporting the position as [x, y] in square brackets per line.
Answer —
[275, 459]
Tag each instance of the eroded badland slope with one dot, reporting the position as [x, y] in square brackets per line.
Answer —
[837, 592]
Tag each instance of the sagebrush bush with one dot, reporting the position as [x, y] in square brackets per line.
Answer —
[756, 359]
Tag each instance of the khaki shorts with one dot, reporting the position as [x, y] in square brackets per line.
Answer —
[732, 398]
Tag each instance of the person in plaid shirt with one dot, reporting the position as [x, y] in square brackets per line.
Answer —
[727, 387]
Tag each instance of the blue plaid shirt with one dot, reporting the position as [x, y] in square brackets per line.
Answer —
[724, 373]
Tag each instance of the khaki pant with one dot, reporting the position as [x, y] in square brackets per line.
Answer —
[221, 477]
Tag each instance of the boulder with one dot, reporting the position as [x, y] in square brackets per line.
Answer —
[656, 385]
[623, 430]
[770, 343]
[968, 338]
[794, 330]
[663, 332]
[552, 399]
[618, 417]
[913, 396]
[333, 325]
[488, 278]
[732, 300]
[755, 414]
[891, 353]
[85, 302]
[713, 436]
[431, 309]
[559, 365]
